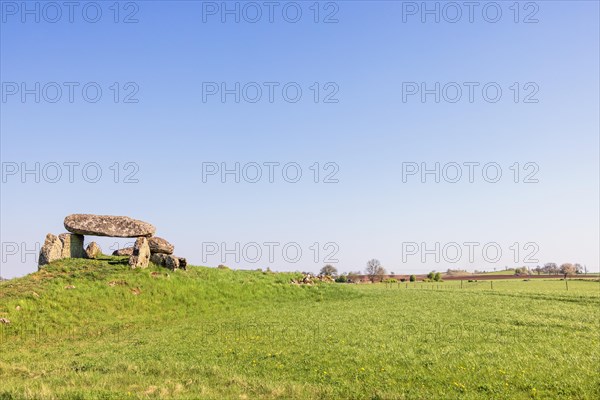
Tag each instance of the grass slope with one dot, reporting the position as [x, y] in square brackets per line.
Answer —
[211, 333]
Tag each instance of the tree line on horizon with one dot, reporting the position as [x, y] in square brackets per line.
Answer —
[376, 272]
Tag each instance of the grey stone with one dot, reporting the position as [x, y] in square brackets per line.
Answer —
[172, 262]
[158, 259]
[108, 225]
[182, 263]
[168, 261]
[51, 250]
[127, 251]
[93, 250]
[160, 245]
[72, 245]
[141, 254]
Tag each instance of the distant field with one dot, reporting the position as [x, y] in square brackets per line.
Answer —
[221, 334]
[510, 274]
[503, 272]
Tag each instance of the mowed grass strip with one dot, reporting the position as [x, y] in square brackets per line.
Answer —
[214, 334]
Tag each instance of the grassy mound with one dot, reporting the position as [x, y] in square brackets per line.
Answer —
[79, 292]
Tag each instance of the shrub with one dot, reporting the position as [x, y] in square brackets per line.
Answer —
[413, 278]
[390, 280]
[341, 279]
[221, 266]
[437, 277]
[328, 270]
[402, 279]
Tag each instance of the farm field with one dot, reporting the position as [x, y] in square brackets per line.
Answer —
[502, 272]
[83, 329]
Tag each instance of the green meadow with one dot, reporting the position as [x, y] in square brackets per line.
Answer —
[94, 329]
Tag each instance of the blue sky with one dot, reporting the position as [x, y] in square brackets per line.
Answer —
[169, 55]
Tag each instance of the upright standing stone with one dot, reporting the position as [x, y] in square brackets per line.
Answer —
[72, 245]
[108, 225]
[141, 254]
[51, 250]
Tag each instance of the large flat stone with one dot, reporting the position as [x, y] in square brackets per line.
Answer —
[108, 225]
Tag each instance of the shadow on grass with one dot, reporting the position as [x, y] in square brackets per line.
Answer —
[116, 260]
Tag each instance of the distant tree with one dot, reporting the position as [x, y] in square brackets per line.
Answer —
[538, 270]
[567, 269]
[578, 268]
[551, 269]
[329, 270]
[374, 270]
[546, 268]
[431, 275]
[413, 278]
[437, 277]
[521, 271]
[342, 278]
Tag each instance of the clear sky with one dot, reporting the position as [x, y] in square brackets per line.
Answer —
[164, 64]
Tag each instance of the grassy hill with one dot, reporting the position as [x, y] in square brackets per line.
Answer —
[94, 329]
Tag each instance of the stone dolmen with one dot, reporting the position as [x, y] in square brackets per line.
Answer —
[147, 248]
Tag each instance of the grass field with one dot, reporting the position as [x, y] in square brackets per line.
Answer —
[222, 334]
[501, 272]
